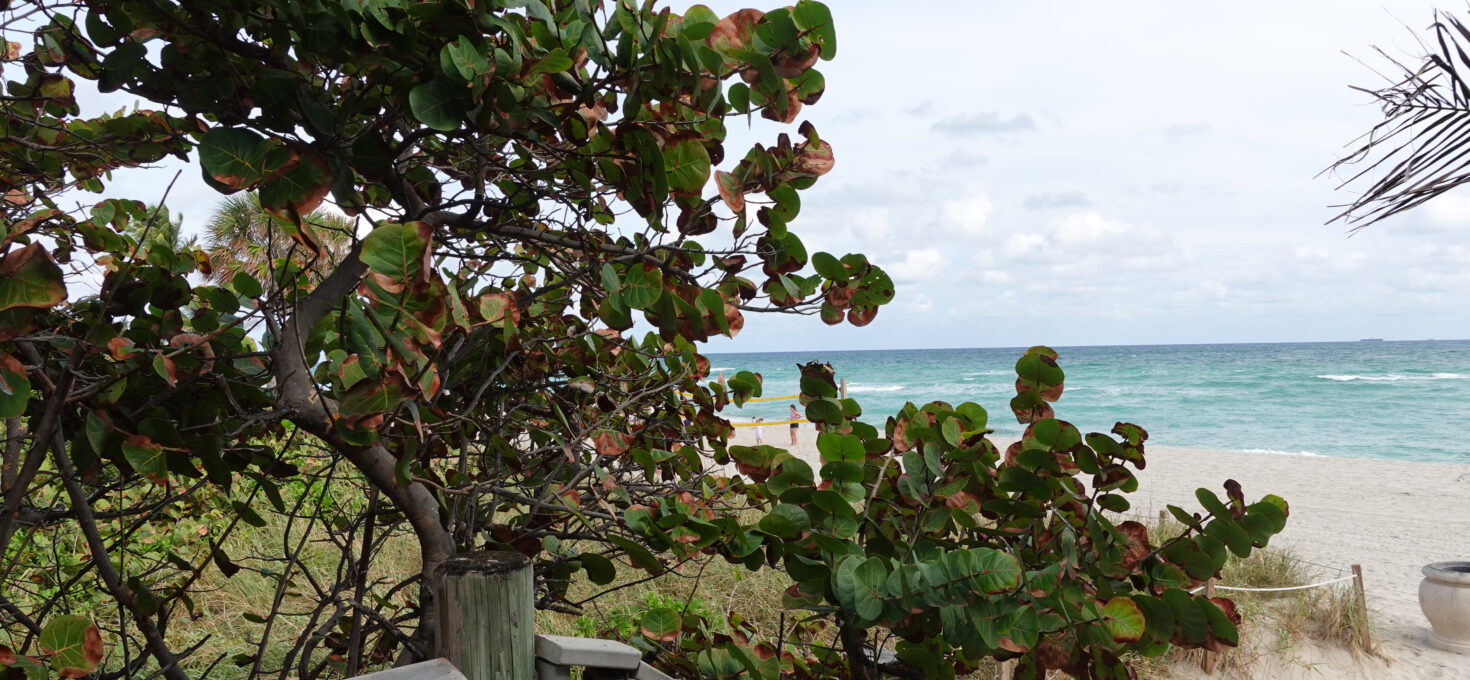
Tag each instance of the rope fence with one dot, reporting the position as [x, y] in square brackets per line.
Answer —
[1278, 590]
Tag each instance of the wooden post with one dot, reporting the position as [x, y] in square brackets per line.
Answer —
[1362, 597]
[487, 625]
[1008, 669]
[722, 378]
[842, 388]
[1208, 662]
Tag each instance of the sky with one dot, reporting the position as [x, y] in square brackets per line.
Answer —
[1081, 173]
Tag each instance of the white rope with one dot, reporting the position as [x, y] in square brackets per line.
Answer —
[1278, 590]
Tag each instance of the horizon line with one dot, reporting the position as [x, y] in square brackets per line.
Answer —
[1158, 344]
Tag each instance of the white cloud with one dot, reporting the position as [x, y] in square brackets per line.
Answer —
[966, 216]
[1087, 228]
[917, 265]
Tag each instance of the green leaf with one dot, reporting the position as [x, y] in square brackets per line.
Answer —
[858, 585]
[555, 61]
[1123, 619]
[687, 164]
[600, 570]
[146, 456]
[640, 556]
[248, 514]
[236, 158]
[73, 644]
[436, 104]
[660, 623]
[15, 388]
[1188, 617]
[813, 16]
[246, 285]
[840, 447]
[786, 521]
[30, 278]
[829, 267]
[396, 250]
[1211, 503]
[1229, 533]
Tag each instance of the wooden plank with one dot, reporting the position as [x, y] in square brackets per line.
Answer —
[562, 650]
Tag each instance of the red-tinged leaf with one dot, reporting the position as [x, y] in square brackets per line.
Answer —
[815, 158]
[963, 500]
[789, 65]
[33, 221]
[764, 650]
[1011, 646]
[73, 644]
[734, 32]
[730, 191]
[789, 115]
[1123, 619]
[1227, 606]
[861, 316]
[12, 50]
[30, 278]
[610, 443]
[1137, 546]
[7, 656]
[146, 456]
[365, 403]
[236, 158]
[734, 319]
[166, 369]
[661, 624]
[498, 309]
[121, 348]
[15, 387]
[399, 251]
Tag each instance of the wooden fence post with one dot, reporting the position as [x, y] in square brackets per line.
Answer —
[487, 617]
[842, 388]
[1208, 662]
[1362, 597]
[722, 378]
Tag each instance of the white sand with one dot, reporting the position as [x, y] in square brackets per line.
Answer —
[1390, 517]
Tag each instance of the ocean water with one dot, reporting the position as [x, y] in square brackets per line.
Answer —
[1394, 400]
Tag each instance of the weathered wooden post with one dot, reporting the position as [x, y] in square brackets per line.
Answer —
[1208, 663]
[722, 378]
[1362, 597]
[487, 618]
[842, 388]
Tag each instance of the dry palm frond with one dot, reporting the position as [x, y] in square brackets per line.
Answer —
[1421, 149]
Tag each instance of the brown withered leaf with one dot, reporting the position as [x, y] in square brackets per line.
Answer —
[1138, 547]
[610, 443]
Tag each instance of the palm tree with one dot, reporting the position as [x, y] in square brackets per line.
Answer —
[160, 228]
[1421, 149]
[241, 236]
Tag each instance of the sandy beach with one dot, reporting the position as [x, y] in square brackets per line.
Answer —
[1390, 517]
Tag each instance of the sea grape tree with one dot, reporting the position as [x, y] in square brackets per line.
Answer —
[927, 538]
[498, 350]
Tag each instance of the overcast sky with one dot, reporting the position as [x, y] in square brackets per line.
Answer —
[1082, 173]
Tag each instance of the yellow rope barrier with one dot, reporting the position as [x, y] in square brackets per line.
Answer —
[779, 422]
[789, 396]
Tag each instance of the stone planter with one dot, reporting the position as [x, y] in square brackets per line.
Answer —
[1444, 595]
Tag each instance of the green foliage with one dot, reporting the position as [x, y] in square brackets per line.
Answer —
[964, 552]
[528, 185]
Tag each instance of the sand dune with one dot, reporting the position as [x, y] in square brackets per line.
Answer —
[1390, 517]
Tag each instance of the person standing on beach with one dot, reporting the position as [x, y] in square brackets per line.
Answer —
[794, 425]
[760, 434]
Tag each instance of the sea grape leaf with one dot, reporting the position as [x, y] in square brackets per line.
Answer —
[1124, 619]
[73, 644]
[30, 278]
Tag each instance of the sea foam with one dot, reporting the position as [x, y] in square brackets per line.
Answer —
[1392, 377]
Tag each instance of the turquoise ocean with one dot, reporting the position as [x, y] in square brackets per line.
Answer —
[1367, 399]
